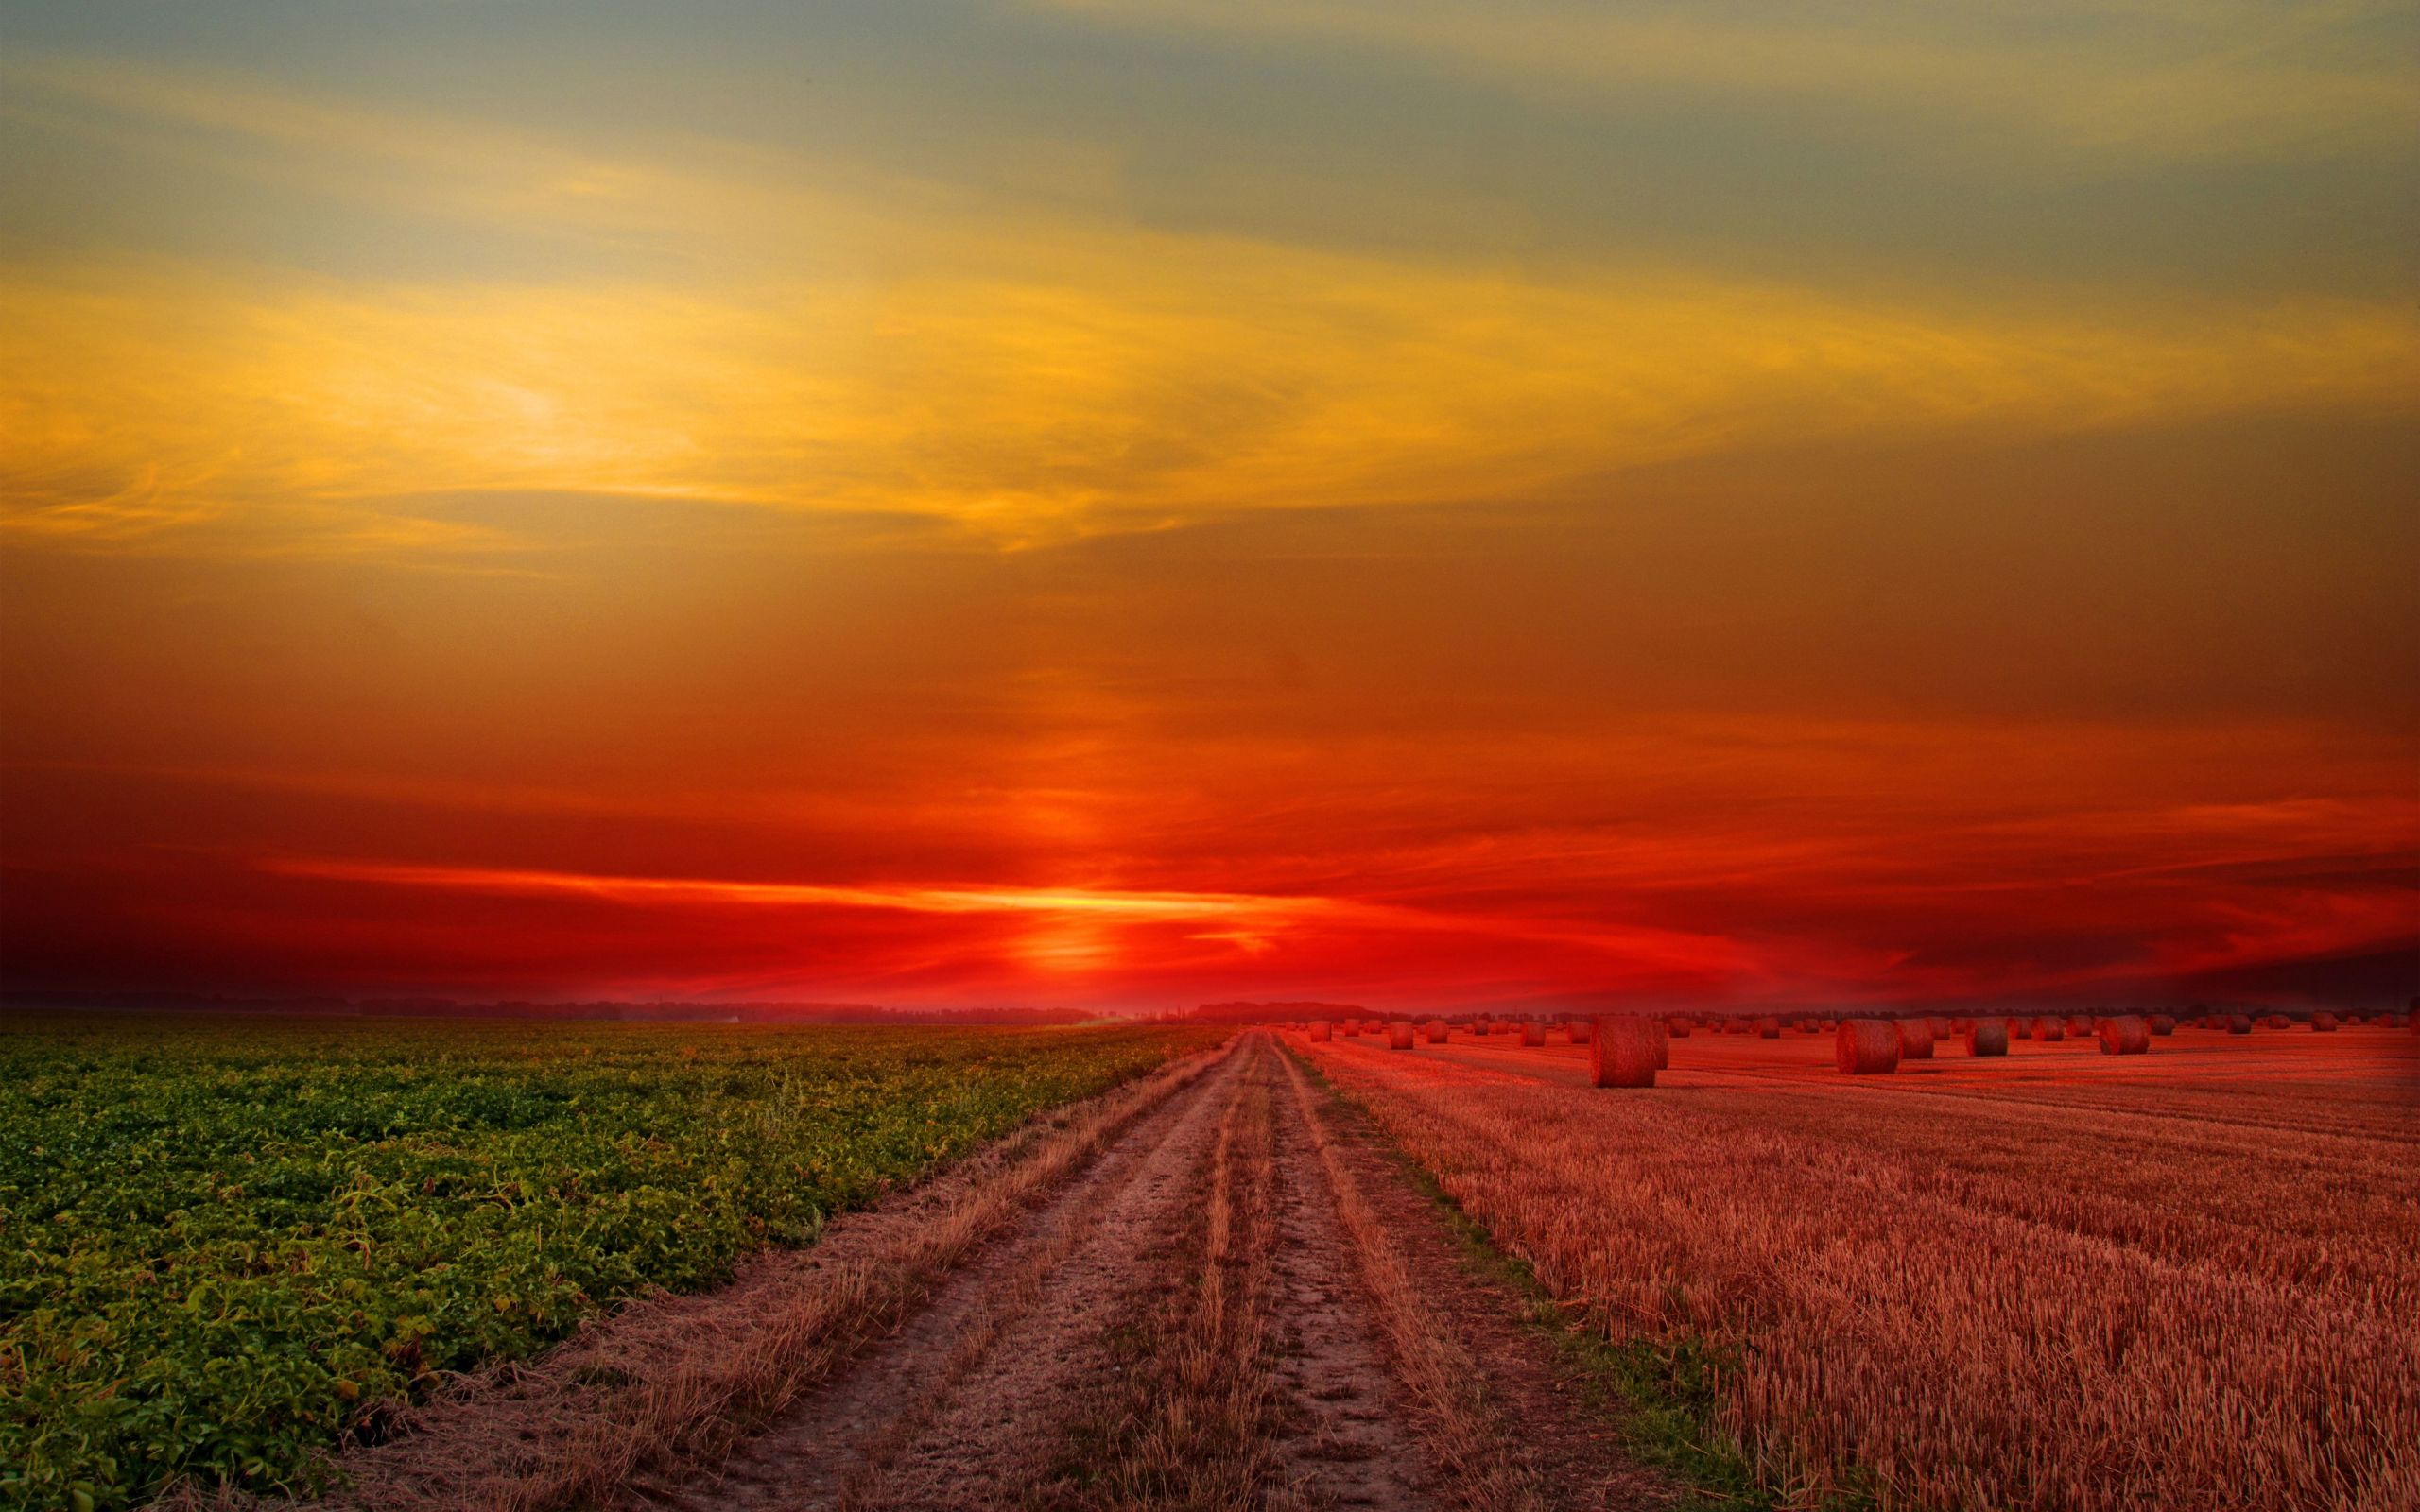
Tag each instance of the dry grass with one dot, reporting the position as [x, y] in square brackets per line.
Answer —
[1198, 1410]
[2046, 1280]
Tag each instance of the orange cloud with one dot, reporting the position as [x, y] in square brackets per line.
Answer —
[1028, 373]
[590, 556]
[965, 900]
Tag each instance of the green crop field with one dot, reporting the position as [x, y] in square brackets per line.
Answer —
[224, 1241]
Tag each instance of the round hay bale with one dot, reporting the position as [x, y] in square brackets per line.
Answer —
[2019, 1029]
[1941, 1029]
[1621, 1053]
[1677, 1028]
[1915, 1039]
[1867, 1047]
[1986, 1037]
[2162, 1024]
[1399, 1035]
[2239, 1023]
[2322, 1022]
[1533, 1033]
[1578, 1028]
[2079, 1025]
[1436, 1031]
[1767, 1028]
[2050, 1030]
[1810, 1026]
[2125, 1035]
[1320, 1031]
[1663, 1046]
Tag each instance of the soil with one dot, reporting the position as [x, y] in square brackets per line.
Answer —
[1181, 1317]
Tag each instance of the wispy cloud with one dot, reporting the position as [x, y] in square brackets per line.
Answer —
[424, 162]
[1204, 378]
[1106, 903]
[2254, 81]
[1027, 374]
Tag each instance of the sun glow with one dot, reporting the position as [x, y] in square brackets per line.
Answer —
[1138, 503]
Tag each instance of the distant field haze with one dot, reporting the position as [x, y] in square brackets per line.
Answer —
[1115, 507]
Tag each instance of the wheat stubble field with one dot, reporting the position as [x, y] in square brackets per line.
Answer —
[2184, 1280]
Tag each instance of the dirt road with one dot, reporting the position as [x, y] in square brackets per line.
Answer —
[1220, 1292]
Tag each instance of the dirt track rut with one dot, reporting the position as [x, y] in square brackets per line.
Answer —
[1236, 1299]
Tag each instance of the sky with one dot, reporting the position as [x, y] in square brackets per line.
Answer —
[1123, 504]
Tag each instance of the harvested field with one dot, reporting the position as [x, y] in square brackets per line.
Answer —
[2048, 1279]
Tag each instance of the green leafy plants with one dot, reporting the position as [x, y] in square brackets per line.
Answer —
[224, 1243]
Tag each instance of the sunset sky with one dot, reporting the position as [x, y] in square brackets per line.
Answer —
[1126, 504]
